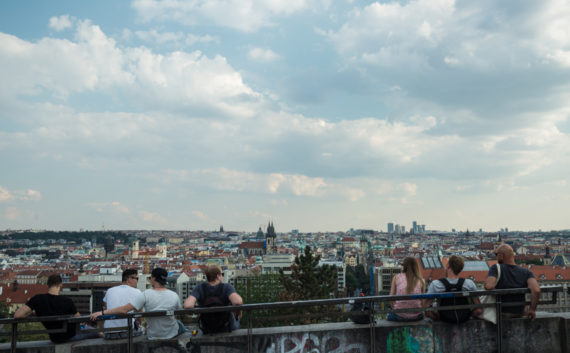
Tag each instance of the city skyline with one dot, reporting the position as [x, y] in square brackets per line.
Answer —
[317, 115]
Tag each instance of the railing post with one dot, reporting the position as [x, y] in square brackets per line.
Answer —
[498, 309]
[372, 327]
[14, 337]
[249, 338]
[130, 335]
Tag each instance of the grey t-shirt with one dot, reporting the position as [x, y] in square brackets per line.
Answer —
[152, 300]
[438, 287]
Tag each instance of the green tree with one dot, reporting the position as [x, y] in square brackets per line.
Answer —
[260, 288]
[309, 281]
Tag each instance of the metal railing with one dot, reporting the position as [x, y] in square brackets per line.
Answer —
[250, 309]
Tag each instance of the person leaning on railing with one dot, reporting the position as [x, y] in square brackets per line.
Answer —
[408, 282]
[513, 276]
[452, 269]
[52, 304]
[155, 299]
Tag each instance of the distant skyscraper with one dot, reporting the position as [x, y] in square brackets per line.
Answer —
[415, 227]
[390, 227]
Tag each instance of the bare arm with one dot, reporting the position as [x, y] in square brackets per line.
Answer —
[115, 311]
[22, 312]
[476, 311]
[236, 299]
[490, 282]
[534, 296]
[190, 302]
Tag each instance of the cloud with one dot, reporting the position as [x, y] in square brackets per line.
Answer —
[152, 217]
[60, 23]
[5, 195]
[94, 63]
[113, 207]
[493, 59]
[246, 15]
[31, 195]
[22, 195]
[12, 213]
[262, 55]
[201, 215]
[176, 38]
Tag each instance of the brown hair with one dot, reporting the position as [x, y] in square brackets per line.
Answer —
[54, 281]
[456, 264]
[212, 273]
[413, 275]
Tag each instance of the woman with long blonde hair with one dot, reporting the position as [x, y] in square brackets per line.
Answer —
[410, 281]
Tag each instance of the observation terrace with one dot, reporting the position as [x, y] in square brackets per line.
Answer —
[547, 333]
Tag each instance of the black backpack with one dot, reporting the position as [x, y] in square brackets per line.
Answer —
[454, 316]
[214, 322]
[363, 310]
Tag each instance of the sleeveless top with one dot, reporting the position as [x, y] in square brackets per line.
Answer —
[401, 285]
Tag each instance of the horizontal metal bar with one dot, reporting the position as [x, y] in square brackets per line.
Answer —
[289, 304]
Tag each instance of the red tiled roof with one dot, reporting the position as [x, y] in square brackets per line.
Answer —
[252, 245]
[22, 294]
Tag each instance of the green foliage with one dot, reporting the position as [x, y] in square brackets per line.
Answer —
[99, 236]
[308, 280]
[261, 288]
[356, 278]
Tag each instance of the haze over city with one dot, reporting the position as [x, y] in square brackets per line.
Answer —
[316, 115]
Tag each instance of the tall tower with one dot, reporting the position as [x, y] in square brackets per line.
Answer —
[270, 238]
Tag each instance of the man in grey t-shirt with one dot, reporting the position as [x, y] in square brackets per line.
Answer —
[155, 299]
[454, 267]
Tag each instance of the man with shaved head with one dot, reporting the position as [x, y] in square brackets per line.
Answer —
[513, 276]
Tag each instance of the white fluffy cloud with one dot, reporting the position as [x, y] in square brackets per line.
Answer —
[262, 55]
[174, 81]
[60, 23]
[5, 195]
[244, 15]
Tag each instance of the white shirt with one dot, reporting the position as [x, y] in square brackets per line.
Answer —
[119, 296]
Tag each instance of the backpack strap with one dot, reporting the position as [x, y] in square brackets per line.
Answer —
[459, 285]
[446, 283]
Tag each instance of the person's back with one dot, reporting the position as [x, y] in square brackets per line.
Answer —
[512, 276]
[52, 305]
[118, 296]
[155, 300]
[408, 282]
[215, 293]
[458, 315]
[212, 296]
[453, 283]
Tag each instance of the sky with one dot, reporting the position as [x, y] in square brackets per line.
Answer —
[316, 115]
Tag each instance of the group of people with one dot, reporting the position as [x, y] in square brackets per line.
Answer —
[503, 275]
[126, 298]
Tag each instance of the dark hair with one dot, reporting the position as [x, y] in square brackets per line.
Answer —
[159, 275]
[456, 264]
[54, 280]
[212, 273]
[128, 273]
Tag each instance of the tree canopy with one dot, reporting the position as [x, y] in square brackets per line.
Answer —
[308, 280]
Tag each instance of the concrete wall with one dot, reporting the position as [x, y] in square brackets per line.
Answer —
[548, 333]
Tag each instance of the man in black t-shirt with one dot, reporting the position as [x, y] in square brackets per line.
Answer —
[513, 276]
[52, 304]
[216, 288]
